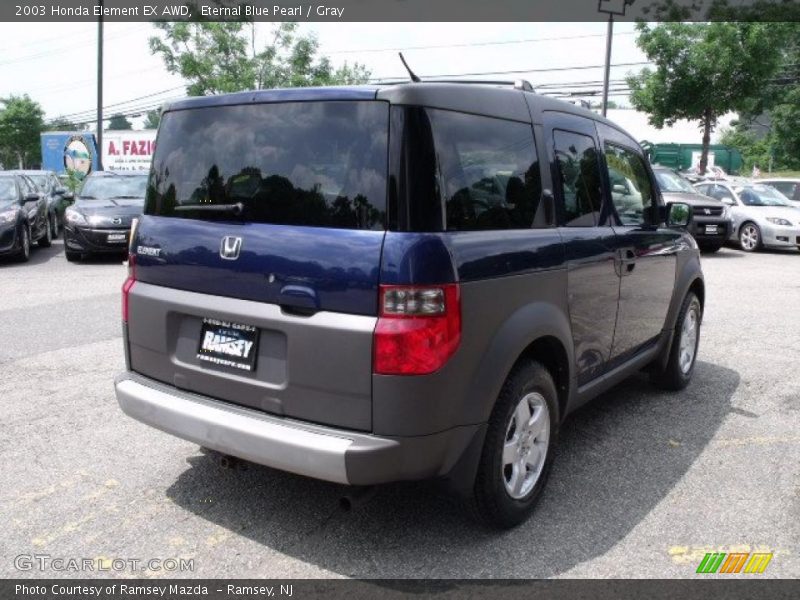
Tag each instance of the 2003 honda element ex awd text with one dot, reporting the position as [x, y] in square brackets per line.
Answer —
[384, 283]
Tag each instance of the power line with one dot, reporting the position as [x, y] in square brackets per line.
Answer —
[513, 72]
[78, 115]
[475, 44]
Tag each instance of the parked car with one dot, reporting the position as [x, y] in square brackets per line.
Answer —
[100, 220]
[711, 225]
[58, 197]
[761, 215]
[23, 216]
[786, 186]
[372, 284]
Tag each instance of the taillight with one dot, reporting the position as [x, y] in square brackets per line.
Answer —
[128, 285]
[418, 330]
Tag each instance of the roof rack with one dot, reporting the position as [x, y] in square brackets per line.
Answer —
[518, 84]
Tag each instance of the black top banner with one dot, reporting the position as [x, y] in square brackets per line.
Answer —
[398, 10]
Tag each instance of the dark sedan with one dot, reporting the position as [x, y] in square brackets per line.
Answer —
[100, 220]
[57, 195]
[23, 216]
[711, 224]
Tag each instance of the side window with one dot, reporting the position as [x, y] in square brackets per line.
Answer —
[488, 171]
[703, 189]
[631, 190]
[579, 174]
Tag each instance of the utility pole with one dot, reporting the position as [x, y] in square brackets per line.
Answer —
[99, 134]
[611, 8]
[609, 36]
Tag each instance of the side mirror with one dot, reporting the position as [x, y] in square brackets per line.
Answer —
[679, 215]
[728, 201]
[68, 196]
[618, 188]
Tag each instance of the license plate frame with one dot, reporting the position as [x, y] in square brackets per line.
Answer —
[712, 229]
[116, 238]
[228, 344]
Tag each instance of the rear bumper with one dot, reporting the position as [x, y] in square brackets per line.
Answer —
[326, 453]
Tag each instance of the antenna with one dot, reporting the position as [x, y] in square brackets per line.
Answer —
[414, 78]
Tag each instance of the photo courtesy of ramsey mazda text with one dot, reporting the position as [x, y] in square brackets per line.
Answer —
[373, 284]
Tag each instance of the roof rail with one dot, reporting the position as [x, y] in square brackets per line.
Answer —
[518, 84]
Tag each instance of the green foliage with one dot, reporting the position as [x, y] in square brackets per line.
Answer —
[119, 122]
[21, 123]
[153, 119]
[704, 70]
[220, 57]
[62, 124]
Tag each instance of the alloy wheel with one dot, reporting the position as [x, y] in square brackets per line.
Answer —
[688, 341]
[526, 444]
[749, 237]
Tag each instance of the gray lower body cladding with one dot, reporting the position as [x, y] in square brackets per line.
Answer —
[337, 455]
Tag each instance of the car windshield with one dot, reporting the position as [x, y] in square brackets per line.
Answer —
[40, 181]
[672, 182]
[114, 187]
[8, 192]
[762, 195]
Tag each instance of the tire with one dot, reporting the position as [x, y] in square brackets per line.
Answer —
[54, 227]
[750, 237]
[72, 256]
[24, 254]
[710, 248]
[501, 498]
[47, 239]
[683, 351]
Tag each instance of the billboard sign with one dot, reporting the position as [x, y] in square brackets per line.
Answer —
[64, 151]
[128, 150]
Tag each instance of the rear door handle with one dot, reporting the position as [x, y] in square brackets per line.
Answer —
[628, 260]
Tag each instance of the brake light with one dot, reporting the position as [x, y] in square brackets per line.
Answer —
[418, 330]
[128, 285]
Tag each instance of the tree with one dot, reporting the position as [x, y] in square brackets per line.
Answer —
[21, 124]
[703, 71]
[119, 122]
[153, 119]
[62, 124]
[222, 57]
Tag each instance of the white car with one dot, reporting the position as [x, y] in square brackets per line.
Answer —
[785, 185]
[761, 215]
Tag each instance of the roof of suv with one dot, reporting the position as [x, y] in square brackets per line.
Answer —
[490, 99]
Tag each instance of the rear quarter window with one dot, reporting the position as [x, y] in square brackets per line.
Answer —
[488, 171]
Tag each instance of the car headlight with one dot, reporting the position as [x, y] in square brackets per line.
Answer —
[74, 217]
[778, 221]
[7, 216]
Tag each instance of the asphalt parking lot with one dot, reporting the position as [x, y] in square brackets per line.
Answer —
[645, 482]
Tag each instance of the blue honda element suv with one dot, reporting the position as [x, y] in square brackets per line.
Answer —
[383, 283]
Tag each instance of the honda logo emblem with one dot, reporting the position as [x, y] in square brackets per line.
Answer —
[707, 211]
[230, 247]
[116, 221]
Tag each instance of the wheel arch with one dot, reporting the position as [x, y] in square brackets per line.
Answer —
[538, 331]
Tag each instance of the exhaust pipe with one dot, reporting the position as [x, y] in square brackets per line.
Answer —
[356, 498]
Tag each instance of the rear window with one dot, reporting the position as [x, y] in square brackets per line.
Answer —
[319, 164]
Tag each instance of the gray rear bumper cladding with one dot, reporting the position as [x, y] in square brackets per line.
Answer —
[340, 456]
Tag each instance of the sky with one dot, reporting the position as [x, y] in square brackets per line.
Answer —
[55, 63]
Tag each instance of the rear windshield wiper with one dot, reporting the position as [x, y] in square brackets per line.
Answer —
[234, 209]
[126, 197]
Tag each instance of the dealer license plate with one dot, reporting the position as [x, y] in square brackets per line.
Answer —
[228, 344]
[711, 229]
[117, 238]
